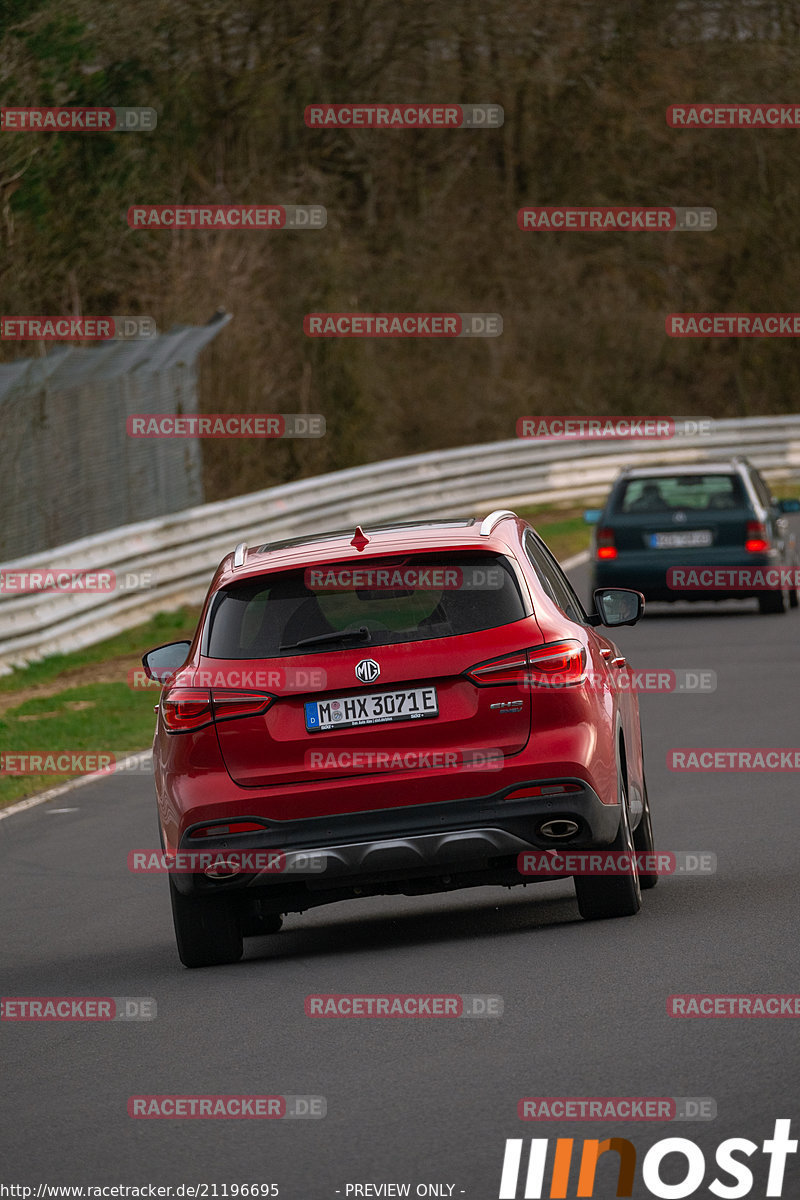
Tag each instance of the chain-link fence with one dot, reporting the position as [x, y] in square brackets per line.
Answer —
[68, 468]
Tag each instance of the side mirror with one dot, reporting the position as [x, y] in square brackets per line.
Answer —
[786, 506]
[592, 515]
[161, 663]
[618, 606]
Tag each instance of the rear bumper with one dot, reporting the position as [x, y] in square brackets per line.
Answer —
[482, 834]
[648, 575]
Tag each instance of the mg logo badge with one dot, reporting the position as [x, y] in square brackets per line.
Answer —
[367, 670]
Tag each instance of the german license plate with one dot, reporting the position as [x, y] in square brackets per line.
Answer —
[342, 712]
[677, 541]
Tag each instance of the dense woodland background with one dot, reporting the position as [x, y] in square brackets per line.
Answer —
[416, 220]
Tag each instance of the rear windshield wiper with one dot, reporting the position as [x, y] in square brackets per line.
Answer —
[363, 635]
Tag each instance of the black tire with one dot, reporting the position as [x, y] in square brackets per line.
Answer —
[794, 594]
[602, 896]
[206, 929]
[772, 602]
[643, 843]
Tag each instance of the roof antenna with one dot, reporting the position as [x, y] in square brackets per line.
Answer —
[360, 539]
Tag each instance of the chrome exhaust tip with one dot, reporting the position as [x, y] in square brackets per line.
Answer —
[559, 828]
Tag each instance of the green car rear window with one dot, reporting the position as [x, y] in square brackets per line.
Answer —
[689, 492]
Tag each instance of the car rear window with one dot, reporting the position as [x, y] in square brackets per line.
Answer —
[410, 598]
[691, 492]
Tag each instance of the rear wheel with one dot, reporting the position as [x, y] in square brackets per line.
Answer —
[206, 929]
[772, 602]
[643, 842]
[601, 896]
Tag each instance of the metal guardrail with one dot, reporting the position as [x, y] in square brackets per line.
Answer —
[180, 552]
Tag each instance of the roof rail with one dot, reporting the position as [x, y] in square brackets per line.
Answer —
[499, 514]
[239, 553]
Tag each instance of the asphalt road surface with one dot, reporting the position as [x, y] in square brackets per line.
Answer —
[426, 1101]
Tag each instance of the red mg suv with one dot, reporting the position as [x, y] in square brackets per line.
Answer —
[399, 709]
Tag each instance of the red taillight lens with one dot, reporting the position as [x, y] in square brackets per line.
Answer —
[228, 705]
[605, 543]
[186, 709]
[757, 538]
[557, 664]
[512, 668]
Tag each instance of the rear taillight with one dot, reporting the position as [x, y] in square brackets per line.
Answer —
[187, 709]
[757, 538]
[559, 664]
[605, 543]
[556, 664]
[512, 668]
